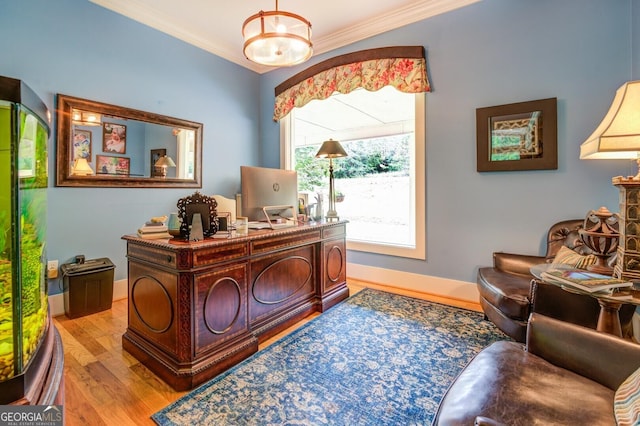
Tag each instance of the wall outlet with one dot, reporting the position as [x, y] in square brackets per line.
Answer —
[52, 269]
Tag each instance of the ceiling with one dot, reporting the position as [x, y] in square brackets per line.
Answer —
[216, 26]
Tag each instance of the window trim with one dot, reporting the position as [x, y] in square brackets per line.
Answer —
[419, 185]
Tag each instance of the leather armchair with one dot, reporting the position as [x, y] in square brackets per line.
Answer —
[566, 374]
[506, 292]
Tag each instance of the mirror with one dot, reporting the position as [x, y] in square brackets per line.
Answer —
[110, 146]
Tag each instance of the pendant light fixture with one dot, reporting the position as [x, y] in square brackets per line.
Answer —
[277, 38]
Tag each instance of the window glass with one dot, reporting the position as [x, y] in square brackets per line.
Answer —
[380, 185]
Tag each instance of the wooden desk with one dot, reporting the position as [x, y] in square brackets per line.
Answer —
[196, 309]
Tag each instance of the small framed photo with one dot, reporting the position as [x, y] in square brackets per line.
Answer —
[156, 154]
[110, 165]
[81, 144]
[224, 222]
[519, 136]
[114, 138]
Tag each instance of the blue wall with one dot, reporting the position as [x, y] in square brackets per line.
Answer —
[490, 53]
[77, 48]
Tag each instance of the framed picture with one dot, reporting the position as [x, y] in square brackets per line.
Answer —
[156, 154]
[519, 136]
[110, 165]
[224, 223]
[114, 138]
[81, 144]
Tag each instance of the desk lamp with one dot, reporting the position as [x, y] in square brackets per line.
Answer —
[164, 162]
[618, 137]
[331, 149]
[81, 167]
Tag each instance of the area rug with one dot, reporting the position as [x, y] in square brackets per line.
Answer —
[374, 359]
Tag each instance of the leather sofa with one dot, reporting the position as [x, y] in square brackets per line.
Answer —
[507, 294]
[565, 374]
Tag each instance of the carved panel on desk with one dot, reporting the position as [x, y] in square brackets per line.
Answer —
[335, 266]
[152, 303]
[220, 307]
[280, 281]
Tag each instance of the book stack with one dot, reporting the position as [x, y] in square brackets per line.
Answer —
[153, 231]
[590, 282]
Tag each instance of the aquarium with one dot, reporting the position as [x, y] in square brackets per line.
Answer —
[24, 316]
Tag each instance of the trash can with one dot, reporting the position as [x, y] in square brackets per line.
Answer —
[88, 287]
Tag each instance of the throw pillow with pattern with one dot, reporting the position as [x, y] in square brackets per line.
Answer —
[566, 256]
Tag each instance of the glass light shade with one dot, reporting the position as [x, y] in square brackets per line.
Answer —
[277, 38]
[618, 135]
[86, 118]
[81, 167]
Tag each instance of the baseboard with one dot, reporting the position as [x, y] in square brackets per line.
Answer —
[452, 292]
[444, 290]
[56, 301]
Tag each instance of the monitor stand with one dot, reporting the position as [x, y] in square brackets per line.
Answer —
[275, 211]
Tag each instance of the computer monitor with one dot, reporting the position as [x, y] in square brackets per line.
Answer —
[275, 189]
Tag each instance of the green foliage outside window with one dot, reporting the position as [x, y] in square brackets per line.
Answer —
[366, 157]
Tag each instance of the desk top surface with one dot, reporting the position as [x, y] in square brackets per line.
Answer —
[234, 237]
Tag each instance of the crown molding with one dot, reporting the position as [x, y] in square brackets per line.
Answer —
[155, 18]
[387, 22]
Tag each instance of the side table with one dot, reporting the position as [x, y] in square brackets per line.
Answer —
[609, 316]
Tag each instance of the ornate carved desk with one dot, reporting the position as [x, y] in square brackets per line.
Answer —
[196, 309]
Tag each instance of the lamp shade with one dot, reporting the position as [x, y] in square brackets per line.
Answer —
[618, 135]
[81, 167]
[277, 38]
[165, 161]
[331, 149]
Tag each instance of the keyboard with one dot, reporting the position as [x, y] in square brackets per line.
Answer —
[265, 225]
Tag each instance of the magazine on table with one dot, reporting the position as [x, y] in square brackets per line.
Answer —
[591, 282]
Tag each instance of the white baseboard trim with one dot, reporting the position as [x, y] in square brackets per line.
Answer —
[438, 286]
[56, 301]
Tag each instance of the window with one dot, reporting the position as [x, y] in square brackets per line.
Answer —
[382, 181]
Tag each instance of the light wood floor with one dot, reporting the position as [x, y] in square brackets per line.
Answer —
[104, 385]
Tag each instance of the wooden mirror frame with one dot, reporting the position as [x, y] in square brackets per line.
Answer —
[65, 104]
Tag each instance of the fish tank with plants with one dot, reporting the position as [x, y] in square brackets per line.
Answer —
[24, 313]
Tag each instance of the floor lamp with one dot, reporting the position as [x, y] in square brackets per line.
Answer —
[331, 149]
[618, 137]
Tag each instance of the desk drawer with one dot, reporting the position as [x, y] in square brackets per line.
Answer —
[153, 255]
[284, 241]
[334, 231]
[212, 255]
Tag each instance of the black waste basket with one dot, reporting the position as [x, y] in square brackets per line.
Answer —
[88, 287]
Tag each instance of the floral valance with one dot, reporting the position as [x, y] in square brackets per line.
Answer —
[371, 70]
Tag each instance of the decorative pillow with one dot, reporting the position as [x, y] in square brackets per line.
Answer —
[569, 257]
[626, 402]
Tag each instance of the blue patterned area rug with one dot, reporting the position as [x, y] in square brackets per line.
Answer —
[374, 359]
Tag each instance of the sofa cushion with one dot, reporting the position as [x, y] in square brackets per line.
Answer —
[566, 256]
[506, 291]
[511, 386]
[627, 401]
